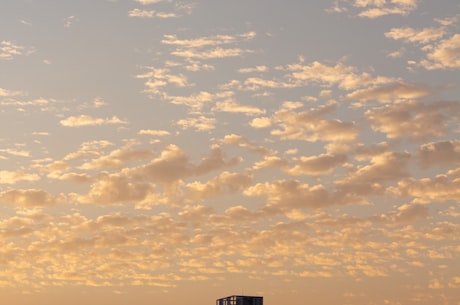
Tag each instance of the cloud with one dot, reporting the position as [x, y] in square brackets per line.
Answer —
[440, 53]
[153, 132]
[15, 152]
[178, 9]
[41, 103]
[9, 93]
[195, 214]
[117, 159]
[378, 8]
[393, 92]
[195, 66]
[234, 107]
[255, 69]
[240, 214]
[397, 54]
[197, 101]
[367, 152]
[435, 284]
[54, 169]
[284, 195]
[410, 212]
[271, 162]
[141, 13]
[208, 47]
[9, 50]
[375, 8]
[262, 122]
[29, 198]
[10, 177]
[75, 177]
[174, 165]
[371, 178]
[421, 36]
[444, 55]
[211, 54]
[411, 119]
[89, 149]
[441, 188]
[225, 182]
[165, 15]
[206, 41]
[95, 103]
[86, 120]
[200, 123]
[115, 188]
[240, 141]
[308, 127]
[345, 77]
[70, 21]
[256, 83]
[41, 133]
[317, 165]
[439, 153]
[158, 78]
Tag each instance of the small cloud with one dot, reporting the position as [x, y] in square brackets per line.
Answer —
[9, 177]
[234, 107]
[263, 122]
[375, 8]
[141, 13]
[435, 284]
[25, 22]
[320, 164]
[8, 93]
[392, 92]
[208, 47]
[151, 132]
[15, 152]
[95, 103]
[211, 54]
[396, 54]
[86, 120]
[411, 212]
[158, 78]
[40, 133]
[255, 69]
[200, 123]
[9, 50]
[165, 15]
[29, 198]
[98, 103]
[341, 75]
[420, 36]
[69, 21]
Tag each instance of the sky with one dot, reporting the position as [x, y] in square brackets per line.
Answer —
[163, 151]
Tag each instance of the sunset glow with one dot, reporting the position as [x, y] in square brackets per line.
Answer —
[169, 152]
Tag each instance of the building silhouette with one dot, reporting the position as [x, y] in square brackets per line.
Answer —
[240, 300]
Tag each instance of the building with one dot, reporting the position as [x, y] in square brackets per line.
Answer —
[240, 300]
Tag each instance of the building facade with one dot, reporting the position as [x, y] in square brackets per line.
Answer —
[240, 300]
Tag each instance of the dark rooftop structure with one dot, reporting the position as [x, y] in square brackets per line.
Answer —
[240, 300]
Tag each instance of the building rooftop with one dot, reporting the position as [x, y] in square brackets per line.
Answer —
[240, 300]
